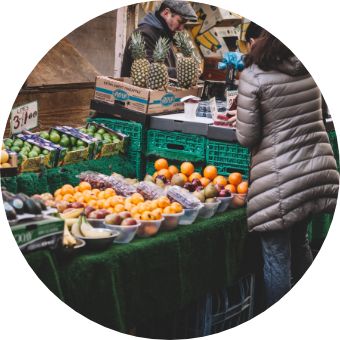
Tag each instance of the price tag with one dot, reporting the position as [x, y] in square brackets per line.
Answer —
[24, 117]
[213, 108]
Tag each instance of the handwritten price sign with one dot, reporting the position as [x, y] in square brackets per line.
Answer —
[24, 117]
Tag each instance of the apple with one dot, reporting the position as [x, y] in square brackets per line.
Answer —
[77, 205]
[125, 214]
[88, 210]
[129, 221]
[115, 219]
[103, 212]
[219, 187]
[224, 193]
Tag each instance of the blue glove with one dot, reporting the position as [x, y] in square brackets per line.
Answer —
[234, 59]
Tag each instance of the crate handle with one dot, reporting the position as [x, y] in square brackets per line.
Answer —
[175, 146]
[31, 227]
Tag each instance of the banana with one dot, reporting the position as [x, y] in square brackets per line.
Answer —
[68, 239]
[74, 213]
[70, 221]
[75, 229]
[88, 231]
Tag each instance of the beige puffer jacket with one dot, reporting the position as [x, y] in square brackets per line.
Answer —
[293, 171]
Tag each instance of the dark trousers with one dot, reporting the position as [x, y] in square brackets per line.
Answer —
[286, 256]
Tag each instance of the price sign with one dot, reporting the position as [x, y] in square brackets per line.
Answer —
[213, 108]
[24, 117]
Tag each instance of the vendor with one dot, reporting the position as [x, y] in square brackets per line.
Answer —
[164, 22]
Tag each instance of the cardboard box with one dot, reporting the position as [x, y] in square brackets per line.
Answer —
[121, 91]
[227, 134]
[109, 149]
[214, 15]
[180, 123]
[34, 235]
[214, 43]
[70, 157]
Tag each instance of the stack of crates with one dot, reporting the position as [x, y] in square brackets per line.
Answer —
[176, 147]
[136, 147]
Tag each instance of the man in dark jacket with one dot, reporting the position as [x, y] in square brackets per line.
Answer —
[164, 22]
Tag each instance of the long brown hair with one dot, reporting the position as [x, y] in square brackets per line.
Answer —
[267, 52]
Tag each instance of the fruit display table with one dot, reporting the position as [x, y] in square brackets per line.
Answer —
[131, 284]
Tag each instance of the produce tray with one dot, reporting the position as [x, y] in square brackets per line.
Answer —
[176, 145]
[150, 169]
[228, 157]
[135, 131]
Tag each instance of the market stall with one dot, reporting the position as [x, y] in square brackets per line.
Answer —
[135, 212]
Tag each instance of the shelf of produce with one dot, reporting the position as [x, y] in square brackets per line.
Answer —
[126, 284]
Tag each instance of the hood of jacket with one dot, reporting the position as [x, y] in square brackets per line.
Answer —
[293, 66]
[152, 20]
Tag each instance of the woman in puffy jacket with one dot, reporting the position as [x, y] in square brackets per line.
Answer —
[293, 171]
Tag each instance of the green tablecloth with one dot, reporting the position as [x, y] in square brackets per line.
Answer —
[133, 283]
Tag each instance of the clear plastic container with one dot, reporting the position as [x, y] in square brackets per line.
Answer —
[225, 203]
[209, 209]
[149, 228]
[238, 200]
[190, 215]
[96, 223]
[171, 221]
[126, 233]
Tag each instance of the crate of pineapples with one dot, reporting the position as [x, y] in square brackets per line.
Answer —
[149, 89]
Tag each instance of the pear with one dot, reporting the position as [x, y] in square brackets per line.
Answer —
[210, 191]
[177, 179]
[200, 195]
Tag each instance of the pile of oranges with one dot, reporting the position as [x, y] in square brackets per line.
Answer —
[234, 182]
[107, 199]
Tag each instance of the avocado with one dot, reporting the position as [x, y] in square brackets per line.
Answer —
[17, 204]
[10, 212]
[41, 204]
[31, 207]
[22, 196]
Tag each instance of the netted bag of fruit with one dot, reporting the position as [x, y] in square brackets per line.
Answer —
[149, 190]
[97, 180]
[121, 187]
[182, 196]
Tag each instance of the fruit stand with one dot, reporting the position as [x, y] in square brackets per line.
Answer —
[138, 212]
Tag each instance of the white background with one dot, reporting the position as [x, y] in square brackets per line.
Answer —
[29, 29]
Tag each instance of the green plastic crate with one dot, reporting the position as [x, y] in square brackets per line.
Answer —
[228, 157]
[135, 131]
[176, 145]
[150, 168]
[334, 143]
[137, 161]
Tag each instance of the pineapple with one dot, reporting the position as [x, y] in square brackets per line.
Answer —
[187, 66]
[140, 65]
[158, 71]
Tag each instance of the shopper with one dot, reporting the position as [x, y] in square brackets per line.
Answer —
[164, 22]
[293, 171]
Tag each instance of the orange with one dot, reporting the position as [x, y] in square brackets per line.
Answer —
[137, 198]
[119, 208]
[137, 216]
[106, 204]
[57, 192]
[101, 203]
[114, 200]
[109, 192]
[58, 197]
[161, 163]
[163, 202]
[111, 210]
[155, 174]
[128, 206]
[101, 195]
[93, 204]
[88, 197]
[76, 188]
[67, 189]
[169, 210]
[69, 198]
[84, 186]
[147, 216]
[235, 178]
[177, 206]
[230, 187]
[205, 181]
[185, 178]
[173, 169]
[165, 172]
[157, 213]
[95, 192]
[195, 175]
[153, 205]
[187, 168]
[210, 172]
[134, 210]
[77, 195]
[242, 188]
[220, 180]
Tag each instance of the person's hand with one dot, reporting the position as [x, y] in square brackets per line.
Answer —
[232, 120]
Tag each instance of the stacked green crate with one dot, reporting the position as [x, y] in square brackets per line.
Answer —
[228, 157]
[176, 147]
[334, 143]
[135, 152]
